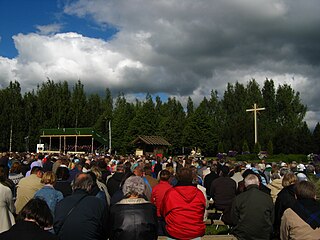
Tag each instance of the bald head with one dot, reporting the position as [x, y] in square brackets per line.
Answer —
[83, 181]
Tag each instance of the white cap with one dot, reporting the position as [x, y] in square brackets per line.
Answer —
[283, 164]
[301, 167]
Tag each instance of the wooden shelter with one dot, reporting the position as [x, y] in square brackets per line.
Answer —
[72, 140]
[150, 145]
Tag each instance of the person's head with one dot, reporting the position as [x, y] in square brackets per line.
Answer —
[237, 168]
[224, 171]
[275, 176]
[289, 179]
[147, 171]
[137, 171]
[247, 172]
[36, 210]
[310, 169]
[15, 167]
[49, 178]
[37, 171]
[62, 173]
[96, 170]
[83, 181]
[3, 173]
[213, 167]
[251, 179]
[165, 175]
[283, 171]
[133, 187]
[120, 167]
[185, 175]
[305, 190]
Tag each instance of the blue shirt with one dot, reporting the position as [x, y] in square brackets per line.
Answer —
[50, 195]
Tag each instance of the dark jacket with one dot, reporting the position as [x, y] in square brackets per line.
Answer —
[223, 191]
[133, 219]
[27, 231]
[253, 214]
[63, 186]
[208, 179]
[88, 220]
[286, 199]
[113, 183]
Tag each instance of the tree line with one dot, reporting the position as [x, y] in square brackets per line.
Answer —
[215, 125]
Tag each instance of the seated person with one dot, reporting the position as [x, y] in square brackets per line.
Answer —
[302, 221]
[133, 217]
[34, 217]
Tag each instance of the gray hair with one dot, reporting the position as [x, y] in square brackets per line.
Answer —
[134, 185]
[251, 179]
[82, 181]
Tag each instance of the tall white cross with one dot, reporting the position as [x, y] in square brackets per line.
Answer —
[255, 110]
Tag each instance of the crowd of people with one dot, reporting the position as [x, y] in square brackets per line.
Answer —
[92, 196]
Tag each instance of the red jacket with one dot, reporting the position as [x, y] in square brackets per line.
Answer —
[157, 194]
[183, 209]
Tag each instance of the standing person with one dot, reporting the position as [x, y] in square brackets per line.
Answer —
[302, 221]
[252, 212]
[48, 193]
[157, 197]
[27, 187]
[183, 208]
[34, 217]
[81, 212]
[133, 217]
[7, 208]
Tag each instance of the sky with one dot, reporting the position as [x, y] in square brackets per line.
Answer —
[175, 48]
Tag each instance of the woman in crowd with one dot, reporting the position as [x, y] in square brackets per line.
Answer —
[48, 193]
[285, 199]
[62, 184]
[34, 217]
[302, 221]
[133, 217]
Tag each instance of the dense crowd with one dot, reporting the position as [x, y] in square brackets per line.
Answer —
[92, 196]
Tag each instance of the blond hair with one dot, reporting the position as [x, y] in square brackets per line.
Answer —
[289, 179]
[49, 178]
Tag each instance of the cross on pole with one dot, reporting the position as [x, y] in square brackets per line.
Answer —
[255, 110]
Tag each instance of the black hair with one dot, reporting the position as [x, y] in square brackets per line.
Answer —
[36, 169]
[165, 175]
[37, 209]
[62, 173]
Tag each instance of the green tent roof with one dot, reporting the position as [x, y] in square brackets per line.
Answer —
[74, 131]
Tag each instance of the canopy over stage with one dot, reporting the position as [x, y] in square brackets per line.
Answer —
[72, 140]
[147, 145]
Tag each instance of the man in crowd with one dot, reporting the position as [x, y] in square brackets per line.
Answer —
[81, 216]
[252, 212]
[28, 186]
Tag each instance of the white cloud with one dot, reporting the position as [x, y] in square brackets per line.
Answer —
[179, 47]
